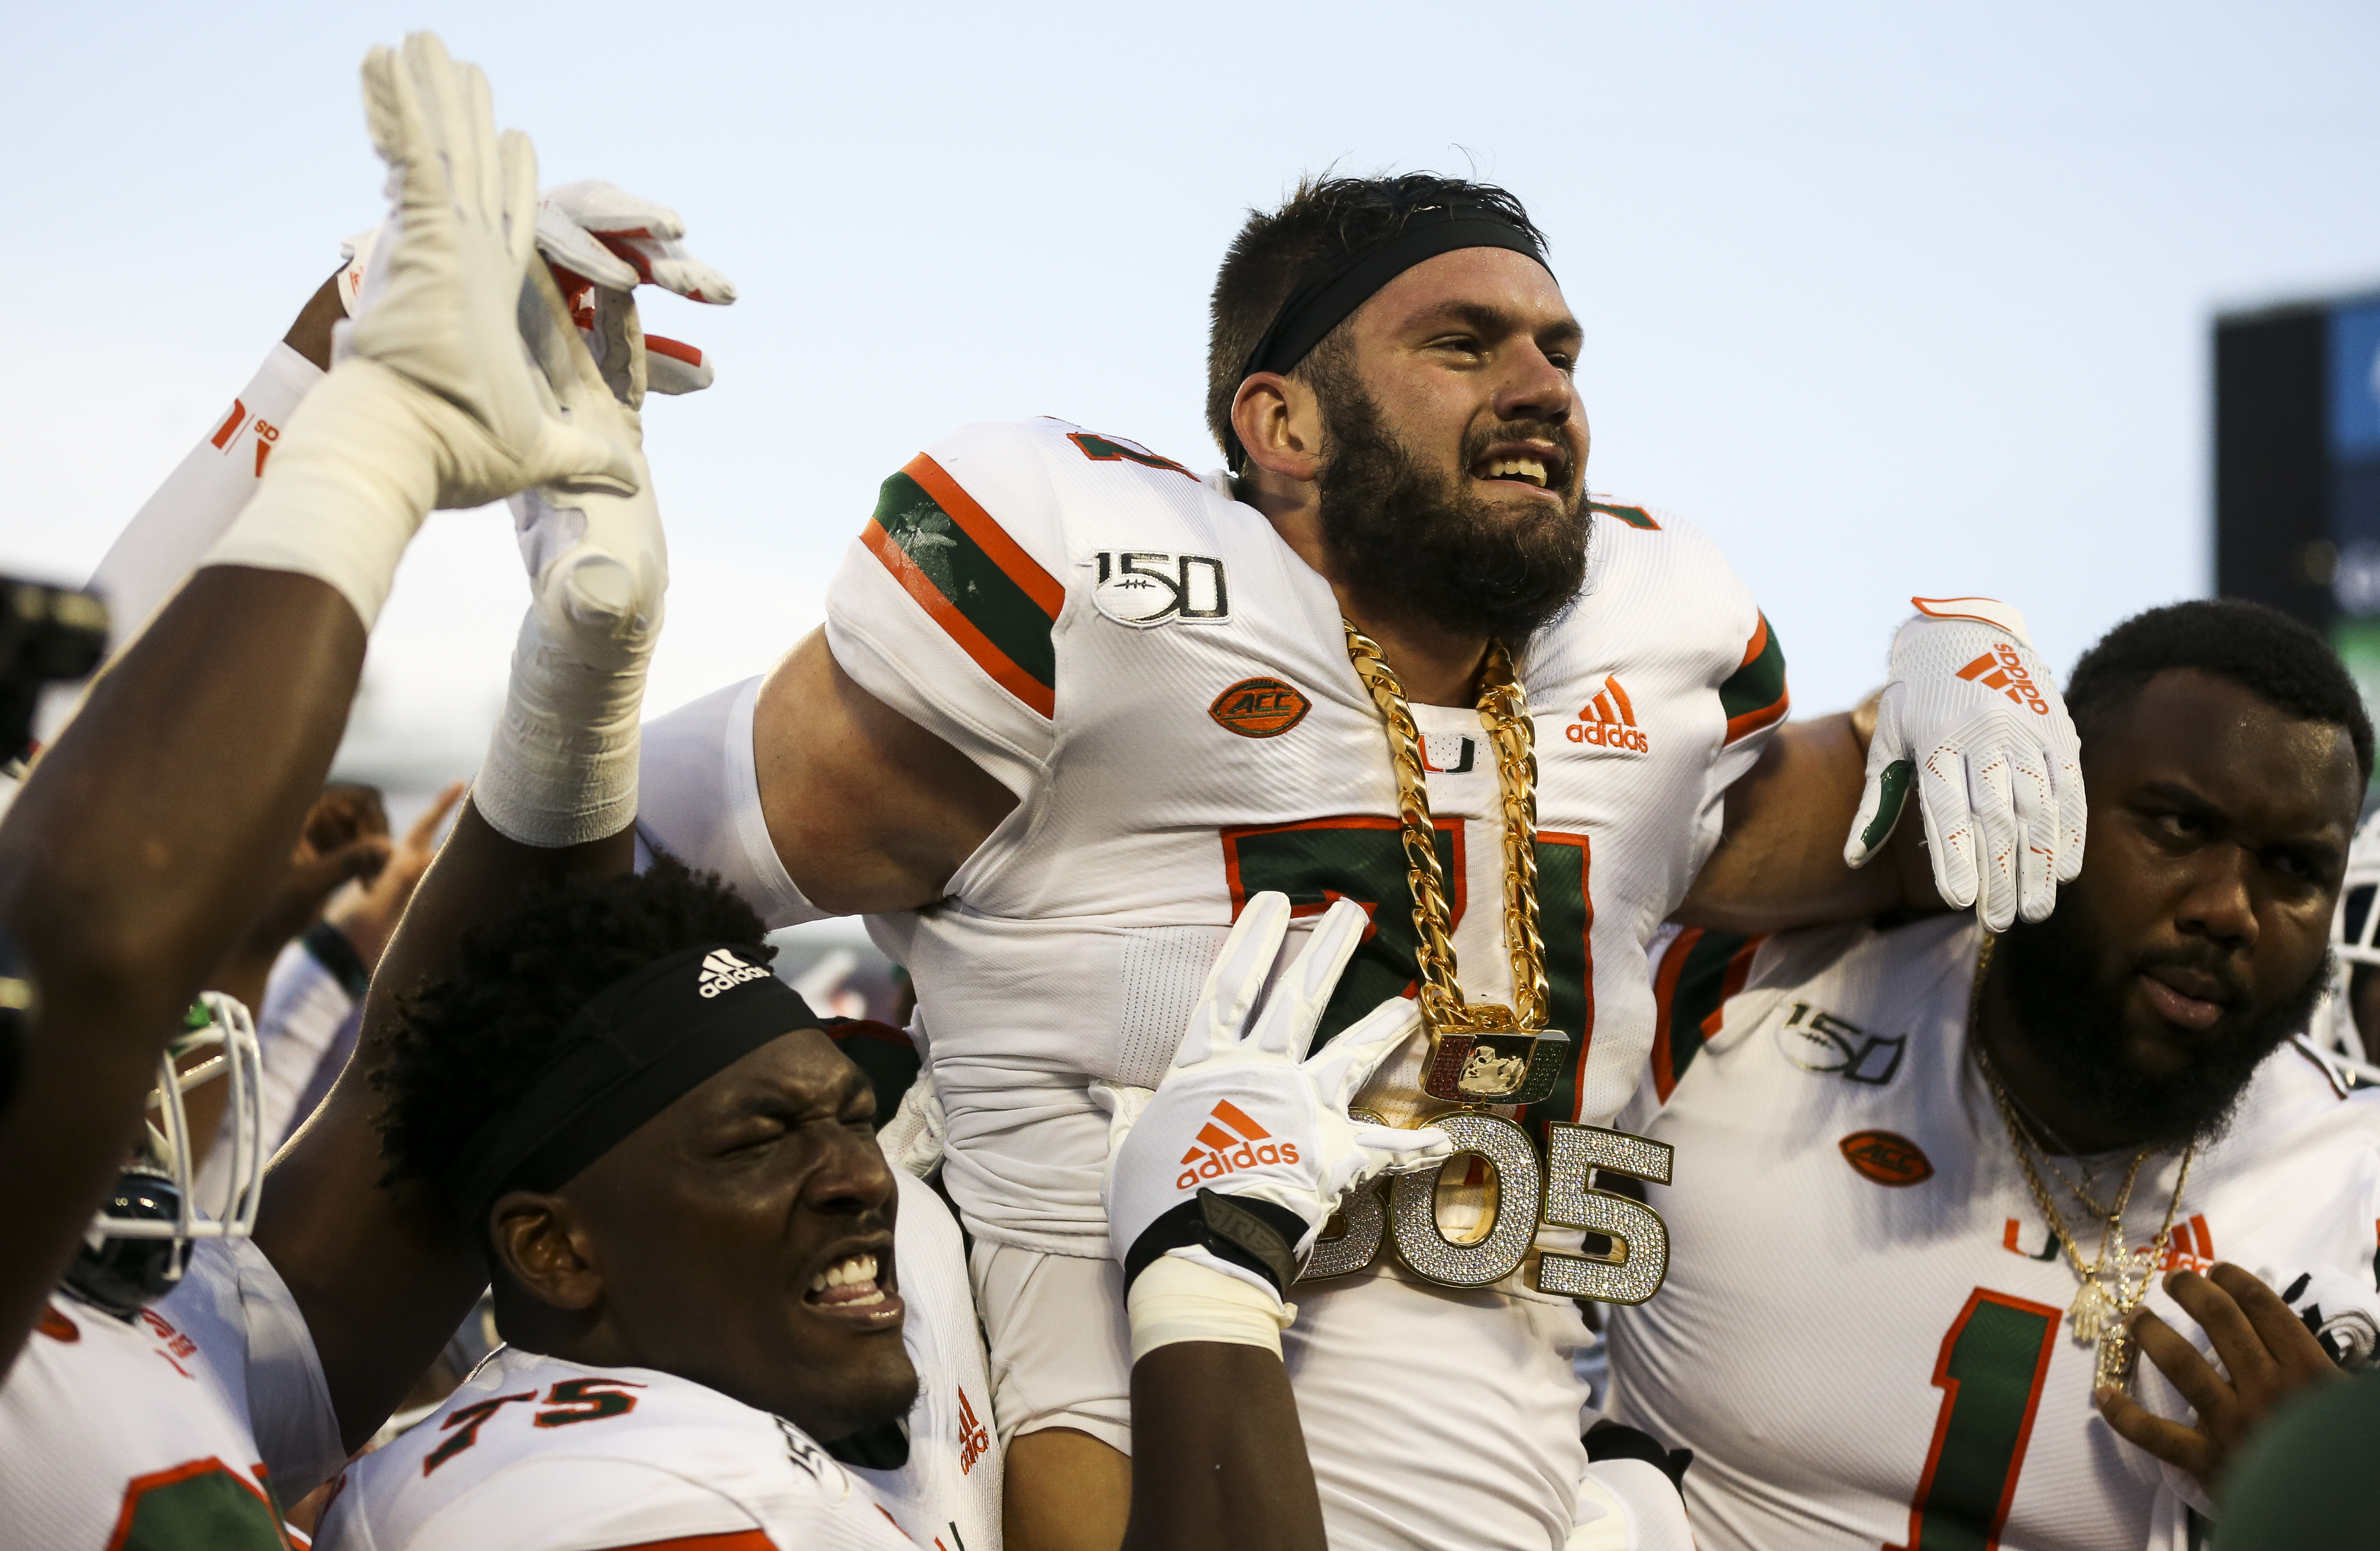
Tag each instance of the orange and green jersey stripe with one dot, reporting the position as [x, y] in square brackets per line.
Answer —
[1754, 696]
[1698, 972]
[976, 582]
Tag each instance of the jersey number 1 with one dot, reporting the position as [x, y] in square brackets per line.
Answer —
[1990, 1372]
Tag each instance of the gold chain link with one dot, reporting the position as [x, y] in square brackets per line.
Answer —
[1504, 712]
[2107, 1331]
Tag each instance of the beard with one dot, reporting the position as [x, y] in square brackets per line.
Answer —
[2069, 1015]
[1413, 538]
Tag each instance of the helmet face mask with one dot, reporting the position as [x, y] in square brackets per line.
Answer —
[2354, 942]
[140, 1243]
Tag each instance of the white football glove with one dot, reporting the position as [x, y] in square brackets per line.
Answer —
[1973, 718]
[1245, 1113]
[600, 236]
[560, 769]
[914, 1139]
[433, 401]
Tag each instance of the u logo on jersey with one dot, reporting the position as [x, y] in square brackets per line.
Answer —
[1608, 721]
[1443, 755]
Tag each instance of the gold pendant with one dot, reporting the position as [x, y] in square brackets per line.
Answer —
[2114, 1368]
[2091, 1311]
[1488, 1058]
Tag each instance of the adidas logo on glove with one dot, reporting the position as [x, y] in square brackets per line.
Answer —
[1228, 1142]
[721, 969]
[2003, 670]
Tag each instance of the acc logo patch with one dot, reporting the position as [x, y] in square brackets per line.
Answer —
[1259, 707]
[1888, 1158]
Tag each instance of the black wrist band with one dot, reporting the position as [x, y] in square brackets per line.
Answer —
[1239, 1229]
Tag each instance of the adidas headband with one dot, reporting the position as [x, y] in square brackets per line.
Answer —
[643, 1043]
[1334, 288]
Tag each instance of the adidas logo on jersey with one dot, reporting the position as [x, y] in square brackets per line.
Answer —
[2003, 670]
[974, 1437]
[1228, 1142]
[1608, 721]
[721, 969]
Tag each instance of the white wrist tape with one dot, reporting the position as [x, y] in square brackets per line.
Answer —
[560, 769]
[353, 473]
[1179, 1299]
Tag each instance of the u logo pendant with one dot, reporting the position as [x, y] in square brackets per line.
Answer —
[1488, 1058]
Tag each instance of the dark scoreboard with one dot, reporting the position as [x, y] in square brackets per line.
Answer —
[2297, 469]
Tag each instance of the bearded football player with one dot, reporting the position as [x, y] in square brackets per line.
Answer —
[1074, 705]
[1969, 1182]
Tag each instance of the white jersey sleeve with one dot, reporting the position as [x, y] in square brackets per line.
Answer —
[165, 539]
[946, 605]
[176, 527]
[234, 1305]
[306, 1000]
[698, 799]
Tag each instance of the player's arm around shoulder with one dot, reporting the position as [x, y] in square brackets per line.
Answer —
[868, 812]
[888, 746]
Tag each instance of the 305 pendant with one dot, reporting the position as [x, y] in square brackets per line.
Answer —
[1488, 1058]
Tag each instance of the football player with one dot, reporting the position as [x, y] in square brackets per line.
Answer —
[165, 1393]
[1074, 705]
[692, 1232]
[1963, 1180]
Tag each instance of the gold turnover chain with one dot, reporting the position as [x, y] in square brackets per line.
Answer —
[1504, 712]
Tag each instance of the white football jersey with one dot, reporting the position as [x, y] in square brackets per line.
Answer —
[1165, 686]
[1863, 1336]
[190, 1426]
[534, 1451]
[505, 1461]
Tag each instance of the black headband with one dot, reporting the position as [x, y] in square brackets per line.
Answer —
[1336, 287]
[639, 1045]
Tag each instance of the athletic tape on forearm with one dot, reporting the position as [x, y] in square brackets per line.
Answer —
[1179, 1299]
[353, 473]
[561, 767]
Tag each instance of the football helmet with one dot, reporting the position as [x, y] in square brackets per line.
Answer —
[2354, 940]
[140, 1242]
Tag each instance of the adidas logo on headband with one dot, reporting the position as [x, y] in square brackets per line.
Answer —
[721, 970]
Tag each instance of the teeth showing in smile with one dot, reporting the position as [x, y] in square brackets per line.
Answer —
[849, 1283]
[1531, 470]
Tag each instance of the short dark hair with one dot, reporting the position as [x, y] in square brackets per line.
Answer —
[1323, 218]
[469, 1045]
[2260, 649]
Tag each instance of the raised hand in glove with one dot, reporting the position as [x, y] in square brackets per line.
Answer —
[599, 237]
[430, 401]
[1972, 722]
[1245, 1147]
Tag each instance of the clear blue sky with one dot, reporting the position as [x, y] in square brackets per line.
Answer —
[1891, 297]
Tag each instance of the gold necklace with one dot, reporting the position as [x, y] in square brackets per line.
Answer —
[2099, 1311]
[1481, 1052]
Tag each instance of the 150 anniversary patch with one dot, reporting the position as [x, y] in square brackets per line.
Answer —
[1144, 589]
